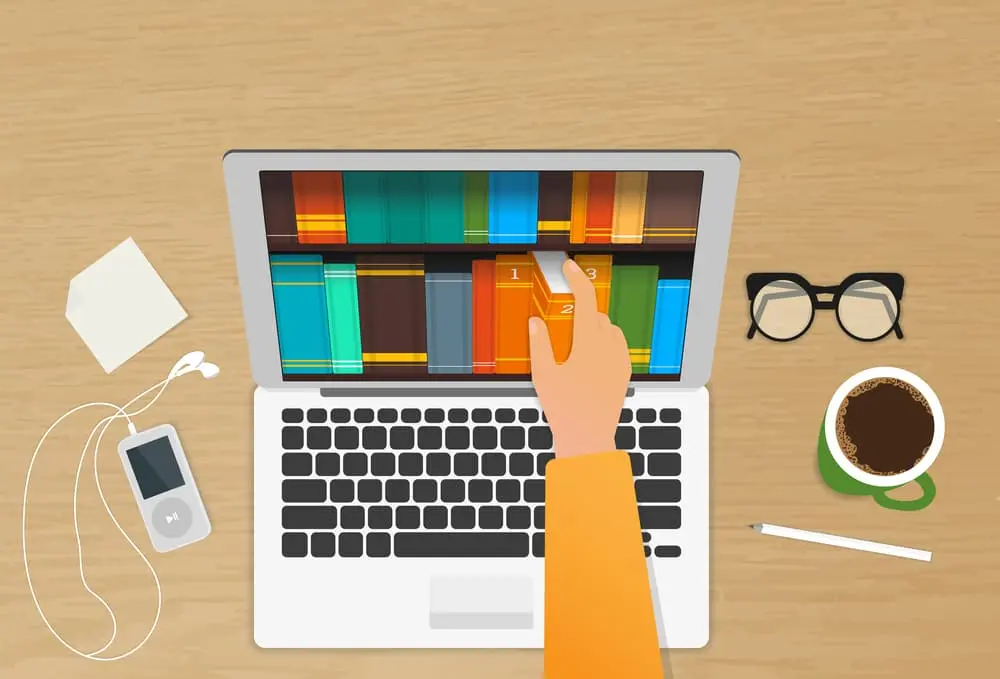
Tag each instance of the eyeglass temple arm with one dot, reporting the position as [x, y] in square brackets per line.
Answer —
[899, 331]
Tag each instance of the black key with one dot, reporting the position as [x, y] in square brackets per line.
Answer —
[323, 544]
[340, 415]
[491, 518]
[328, 464]
[292, 438]
[508, 490]
[435, 517]
[646, 537]
[291, 415]
[638, 461]
[646, 551]
[410, 415]
[458, 415]
[534, 491]
[318, 438]
[545, 417]
[670, 416]
[668, 551]
[480, 490]
[408, 518]
[438, 464]
[540, 517]
[380, 517]
[411, 464]
[397, 490]
[541, 460]
[383, 464]
[625, 438]
[527, 415]
[373, 438]
[379, 544]
[663, 464]
[463, 518]
[504, 415]
[659, 516]
[434, 415]
[456, 438]
[296, 464]
[482, 545]
[352, 517]
[645, 415]
[484, 438]
[316, 415]
[364, 415]
[482, 415]
[522, 464]
[540, 438]
[538, 545]
[369, 490]
[518, 517]
[311, 490]
[429, 438]
[401, 438]
[350, 544]
[309, 518]
[346, 438]
[452, 490]
[660, 438]
[466, 464]
[294, 544]
[355, 464]
[342, 490]
[512, 438]
[425, 490]
[494, 464]
[649, 490]
[626, 416]
[387, 415]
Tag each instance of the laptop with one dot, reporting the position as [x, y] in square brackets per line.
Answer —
[399, 448]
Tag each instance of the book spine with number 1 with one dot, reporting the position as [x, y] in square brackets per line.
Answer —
[513, 308]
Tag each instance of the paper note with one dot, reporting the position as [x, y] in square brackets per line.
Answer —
[119, 305]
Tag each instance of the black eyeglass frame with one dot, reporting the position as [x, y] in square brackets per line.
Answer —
[893, 281]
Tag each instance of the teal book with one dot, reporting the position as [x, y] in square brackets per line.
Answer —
[477, 207]
[669, 326]
[365, 208]
[300, 310]
[342, 315]
[444, 199]
[449, 322]
[404, 199]
[633, 298]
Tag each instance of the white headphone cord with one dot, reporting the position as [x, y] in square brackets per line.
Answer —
[120, 411]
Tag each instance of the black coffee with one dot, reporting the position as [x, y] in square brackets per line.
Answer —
[885, 426]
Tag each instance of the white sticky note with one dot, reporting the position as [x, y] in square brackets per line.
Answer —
[119, 305]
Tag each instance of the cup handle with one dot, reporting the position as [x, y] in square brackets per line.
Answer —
[925, 482]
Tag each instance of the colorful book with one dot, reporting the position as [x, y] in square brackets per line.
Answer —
[633, 299]
[555, 202]
[484, 278]
[513, 207]
[444, 198]
[553, 300]
[669, 326]
[513, 308]
[600, 207]
[449, 322]
[598, 270]
[392, 312]
[279, 209]
[342, 314]
[578, 208]
[319, 207]
[403, 193]
[629, 208]
[364, 207]
[673, 204]
[300, 312]
[477, 207]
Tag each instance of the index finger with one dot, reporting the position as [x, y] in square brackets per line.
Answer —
[583, 289]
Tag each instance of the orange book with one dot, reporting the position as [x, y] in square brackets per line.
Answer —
[630, 208]
[484, 277]
[552, 299]
[600, 206]
[513, 308]
[598, 270]
[319, 207]
[578, 208]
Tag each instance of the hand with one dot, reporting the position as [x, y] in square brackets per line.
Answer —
[582, 398]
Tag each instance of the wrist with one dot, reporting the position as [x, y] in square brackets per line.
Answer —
[578, 446]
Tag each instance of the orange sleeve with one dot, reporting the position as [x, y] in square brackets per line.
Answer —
[599, 618]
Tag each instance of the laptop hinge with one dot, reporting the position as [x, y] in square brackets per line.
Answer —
[437, 392]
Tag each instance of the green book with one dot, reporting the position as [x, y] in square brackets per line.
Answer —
[364, 207]
[633, 302]
[404, 199]
[477, 207]
[341, 282]
[445, 202]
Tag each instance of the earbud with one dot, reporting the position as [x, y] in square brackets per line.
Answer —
[194, 361]
[208, 370]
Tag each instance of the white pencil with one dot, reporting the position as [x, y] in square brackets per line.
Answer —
[838, 541]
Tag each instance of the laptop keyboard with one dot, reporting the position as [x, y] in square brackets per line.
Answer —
[430, 482]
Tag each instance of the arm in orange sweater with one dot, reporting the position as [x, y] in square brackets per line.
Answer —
[599, 618]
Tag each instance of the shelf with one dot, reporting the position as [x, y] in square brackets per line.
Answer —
[471, 248]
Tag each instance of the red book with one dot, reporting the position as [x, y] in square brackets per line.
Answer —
[484, 276]
[600, 207]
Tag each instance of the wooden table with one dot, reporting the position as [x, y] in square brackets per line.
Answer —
[869, 136]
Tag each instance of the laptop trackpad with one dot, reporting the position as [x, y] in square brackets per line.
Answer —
[478, 602]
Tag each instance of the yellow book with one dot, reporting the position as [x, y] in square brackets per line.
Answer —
[578, 208]
[630, 208]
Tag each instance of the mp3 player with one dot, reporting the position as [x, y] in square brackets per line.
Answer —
[164, 488]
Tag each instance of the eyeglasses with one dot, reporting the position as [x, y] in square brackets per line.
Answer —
[783, 305]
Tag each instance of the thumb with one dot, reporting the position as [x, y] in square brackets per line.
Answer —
[542, 358]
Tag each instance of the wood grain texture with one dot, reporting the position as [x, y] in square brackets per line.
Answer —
[869, 133]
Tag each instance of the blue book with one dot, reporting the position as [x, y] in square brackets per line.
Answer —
[449, 322]
[300, 310]
[513, 207]
[669, 326]
[365, 207]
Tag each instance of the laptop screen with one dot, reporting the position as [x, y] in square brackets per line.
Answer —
[412, 275]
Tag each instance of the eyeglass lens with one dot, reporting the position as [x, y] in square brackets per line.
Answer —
[868, 310]
[782, 310]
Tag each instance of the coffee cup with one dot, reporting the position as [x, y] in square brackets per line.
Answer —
[894, 441]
